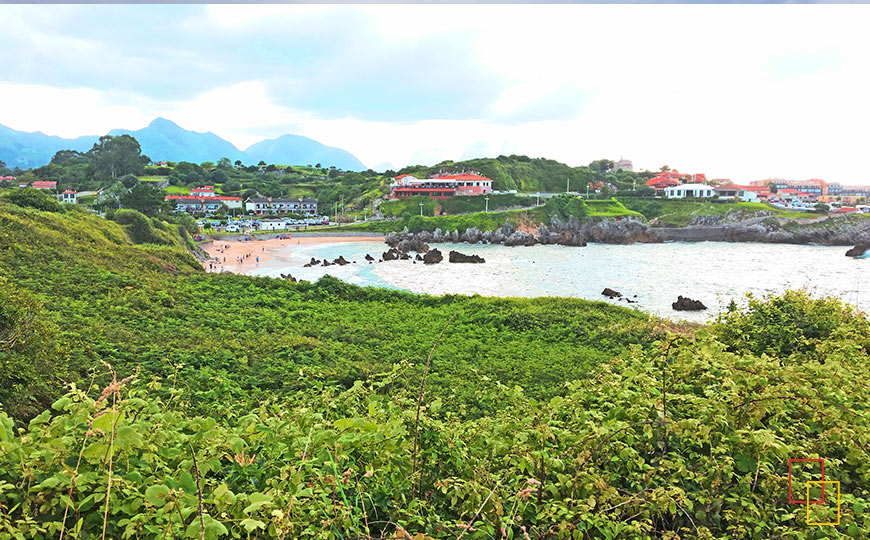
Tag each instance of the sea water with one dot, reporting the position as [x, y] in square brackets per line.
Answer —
[653, 275]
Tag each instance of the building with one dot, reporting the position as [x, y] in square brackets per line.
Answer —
[814, 186]
[668, 179]
[690, 191]
[7, 179]
[68, 196]
[268, 206]
[45, 184]
[203, 200]
[442, 186]
[737, 192]
[798, 195]
[623, 165]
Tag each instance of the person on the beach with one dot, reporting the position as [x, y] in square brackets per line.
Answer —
[258, 260]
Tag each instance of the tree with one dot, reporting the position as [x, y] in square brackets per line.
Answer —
[218, 176]
[68, 157]
[238, 163]
[772, 187]
[207, 165]
[602, 165]
[225, 163]
[664, 168]
[821, 208]
[144, 198]
[129, 180]
[113, 157]
[4, 170]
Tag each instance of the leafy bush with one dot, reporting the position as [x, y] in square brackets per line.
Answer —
[138, 226]
[33, 198]
[793, 324]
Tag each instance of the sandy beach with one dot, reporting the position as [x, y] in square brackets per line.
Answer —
[241, 257]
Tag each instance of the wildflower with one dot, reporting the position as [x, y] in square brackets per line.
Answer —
[242, 460]
[533, 482]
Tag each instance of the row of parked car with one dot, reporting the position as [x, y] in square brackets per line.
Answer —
[244, 225]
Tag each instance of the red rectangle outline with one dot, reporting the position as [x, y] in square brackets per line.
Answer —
[822, 461]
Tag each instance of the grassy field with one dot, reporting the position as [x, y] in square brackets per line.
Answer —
[153, 178]
[143, 398]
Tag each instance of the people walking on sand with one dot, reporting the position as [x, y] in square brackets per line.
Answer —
[258, 260]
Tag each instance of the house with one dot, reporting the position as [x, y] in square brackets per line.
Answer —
[690, 191]
[814, 186]
[442, 186]
[268, 205]
[798, 195]
[203, 199]
[623, 165]
[23, 183]
[9, 179]
[45, 184]
[68, 196]
[737, 192]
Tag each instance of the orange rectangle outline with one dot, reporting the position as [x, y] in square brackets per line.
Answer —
[838, 499]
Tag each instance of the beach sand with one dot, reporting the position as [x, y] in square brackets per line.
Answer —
[241, 257]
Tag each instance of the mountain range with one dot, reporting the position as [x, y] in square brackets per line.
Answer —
[163, 140]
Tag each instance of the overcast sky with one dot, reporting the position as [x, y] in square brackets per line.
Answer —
[742, 92]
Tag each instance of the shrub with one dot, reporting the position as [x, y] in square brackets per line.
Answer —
[34, 198]
[138, 226]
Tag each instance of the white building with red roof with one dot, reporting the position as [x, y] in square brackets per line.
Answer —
[68, 196]
[442, 186]
[203, 200]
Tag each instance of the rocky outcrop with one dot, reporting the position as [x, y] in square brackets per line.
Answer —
[312, 262]
[758, 227]
[456, 257]
[288, 277]
[341, 261]
[858, 250]
[369, 258]
[433, 257]
[610, 293]
[687, 304]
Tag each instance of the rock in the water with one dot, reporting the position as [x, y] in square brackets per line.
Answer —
[369, 257]
[687, 304]
[391, 254]
[610, 293]
[858, 250]
[456, 257]
[418, 257]
[433, 257]
[326, 263]
[341, 261]
[312, 262]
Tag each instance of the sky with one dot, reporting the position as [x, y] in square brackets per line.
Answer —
[743, 92]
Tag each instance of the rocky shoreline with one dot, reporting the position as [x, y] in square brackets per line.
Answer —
[835, 232]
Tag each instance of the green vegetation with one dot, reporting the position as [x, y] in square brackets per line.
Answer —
[680, 213]
[563, 206]
[142, 398]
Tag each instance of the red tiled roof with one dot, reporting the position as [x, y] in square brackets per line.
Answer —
[44, 183]
[68, 191]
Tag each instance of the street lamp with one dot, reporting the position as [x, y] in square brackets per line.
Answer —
[537, 199]
[421, 209]
[486, 199]
[567, 185]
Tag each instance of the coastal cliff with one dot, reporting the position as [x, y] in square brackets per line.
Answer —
[835, 231]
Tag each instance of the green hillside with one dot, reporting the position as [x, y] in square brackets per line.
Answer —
[143, 398]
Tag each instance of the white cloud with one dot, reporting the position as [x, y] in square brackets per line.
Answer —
[743, 92]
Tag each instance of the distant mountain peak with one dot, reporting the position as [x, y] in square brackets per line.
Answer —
[163, 139]
[161, 122]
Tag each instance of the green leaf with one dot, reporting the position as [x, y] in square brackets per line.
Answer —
[213, 528]
[257, 500]
[252, 524]
[157, 495]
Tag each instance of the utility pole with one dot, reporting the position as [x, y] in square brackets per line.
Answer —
[537, 199]
[587, 190]
[567, 185]
[486, 199]
[421, 209]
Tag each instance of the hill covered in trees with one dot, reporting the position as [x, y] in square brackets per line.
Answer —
[143, 398]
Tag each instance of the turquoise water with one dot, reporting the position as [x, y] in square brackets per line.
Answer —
[713, 272]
